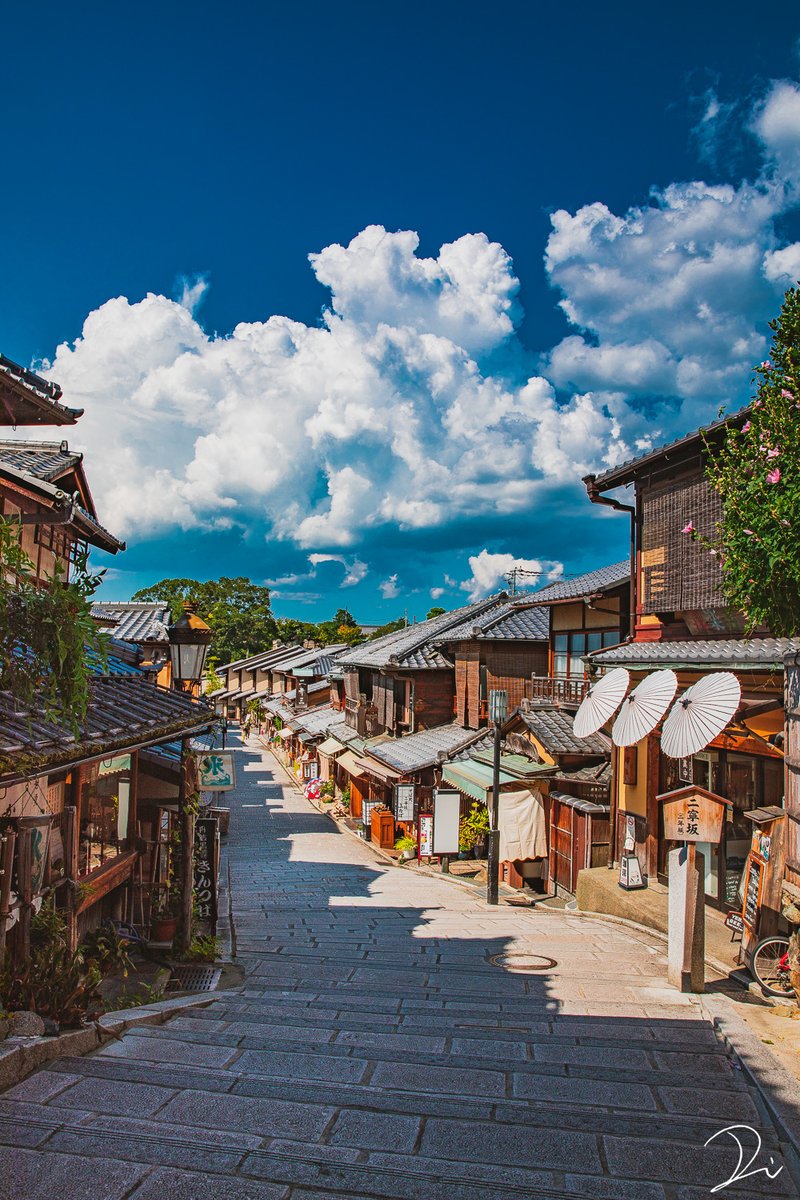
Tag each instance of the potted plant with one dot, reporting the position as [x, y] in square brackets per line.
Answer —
[164, 919]
[406, 846]
[466, 838]
[475, 829]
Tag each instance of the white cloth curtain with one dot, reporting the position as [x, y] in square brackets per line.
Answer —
[523, 833]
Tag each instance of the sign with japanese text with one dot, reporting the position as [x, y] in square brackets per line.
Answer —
[404, 797]
[692, 814]
[215, 771]
[425, 839]
[205, 870]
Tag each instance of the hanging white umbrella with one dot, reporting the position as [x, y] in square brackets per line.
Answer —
[644, 707]
[600, 702]
[700, 714]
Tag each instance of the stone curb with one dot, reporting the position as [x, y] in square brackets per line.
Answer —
[20, 1056]
[775, 1086]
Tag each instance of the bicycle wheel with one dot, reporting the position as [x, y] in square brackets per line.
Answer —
[765, 965]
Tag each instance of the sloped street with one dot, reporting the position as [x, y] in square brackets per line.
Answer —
[375, 1050]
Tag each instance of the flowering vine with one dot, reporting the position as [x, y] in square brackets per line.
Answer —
[756, 472]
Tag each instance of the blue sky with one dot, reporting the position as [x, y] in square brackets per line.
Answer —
[605, 211]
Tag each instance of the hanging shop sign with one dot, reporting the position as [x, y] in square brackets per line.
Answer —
[425, 835]
[39, 828]
[311, 770]
[215, 771]
[404, 801]
[446, 817]
[692, 814]
[205, 869]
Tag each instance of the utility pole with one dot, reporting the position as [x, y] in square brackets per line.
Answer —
[498, 709]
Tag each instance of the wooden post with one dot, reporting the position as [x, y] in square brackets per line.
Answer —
[612, 816]
[187, 818]
[25, 897]
[71, 872]
[6, 867]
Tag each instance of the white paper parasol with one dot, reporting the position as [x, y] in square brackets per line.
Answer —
[700, 714]
[601, 702]
[644, 707]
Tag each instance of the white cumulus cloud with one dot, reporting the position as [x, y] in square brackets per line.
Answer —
[489, 573]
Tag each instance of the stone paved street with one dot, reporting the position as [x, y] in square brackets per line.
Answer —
[374, 1050]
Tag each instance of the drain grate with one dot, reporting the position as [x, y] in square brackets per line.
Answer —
[520, 963]
[193, 977]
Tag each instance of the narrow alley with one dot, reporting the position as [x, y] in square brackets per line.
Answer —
[387, 1043]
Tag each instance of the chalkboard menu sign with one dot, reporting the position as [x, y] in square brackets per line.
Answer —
[404, 801]
[752, 892]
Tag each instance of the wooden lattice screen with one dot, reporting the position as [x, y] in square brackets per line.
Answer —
[792, 751]
[677, 573]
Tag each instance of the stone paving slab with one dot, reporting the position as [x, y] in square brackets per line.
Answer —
[373, 1051]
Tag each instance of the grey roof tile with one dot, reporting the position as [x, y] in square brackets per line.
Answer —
[413, 647]
[418, 750]
[600, 580]
[136, 621]
[511, 620]
[43, 460]
[739, 653]
[553, 728]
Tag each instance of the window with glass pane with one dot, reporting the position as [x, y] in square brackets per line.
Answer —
[577, 650]
[593, 642]
[611, 637]
[560, 648]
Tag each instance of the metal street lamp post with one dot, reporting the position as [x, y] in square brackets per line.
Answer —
[498, 710]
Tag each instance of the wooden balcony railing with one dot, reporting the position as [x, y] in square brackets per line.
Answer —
[556, 690]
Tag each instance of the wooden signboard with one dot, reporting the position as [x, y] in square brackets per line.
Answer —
[205, 870]
[404, 801]
[446, 814]
[691, 814]
[215, 771]
[752, 892]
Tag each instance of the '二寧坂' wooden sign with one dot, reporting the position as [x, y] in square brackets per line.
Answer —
[691, 814]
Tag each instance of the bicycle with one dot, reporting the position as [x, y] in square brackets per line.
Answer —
[769, 965]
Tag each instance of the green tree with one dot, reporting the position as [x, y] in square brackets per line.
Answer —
[342, 628]
[237, 610]
[291, 630]
[436, 612]
[756, 471]
[389, 627]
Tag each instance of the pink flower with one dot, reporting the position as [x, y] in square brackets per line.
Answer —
[766, 365]
[688, 528]
[749, 532]
[746, 427]
[774, 476]
[786, 395]
[773, 453]
[756, 404]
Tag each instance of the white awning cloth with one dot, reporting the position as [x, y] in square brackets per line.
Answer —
[522, 826]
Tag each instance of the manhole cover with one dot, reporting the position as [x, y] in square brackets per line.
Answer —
[522, 962]
[193, 977]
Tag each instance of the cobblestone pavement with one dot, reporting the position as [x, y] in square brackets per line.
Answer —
[374, 1050]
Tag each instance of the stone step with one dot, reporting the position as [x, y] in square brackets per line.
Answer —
[383, 1154]
[272, 1107]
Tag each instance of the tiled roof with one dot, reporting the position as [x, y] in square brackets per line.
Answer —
[626, 472]
[27, 399]
[511, 620]
[423, 749]
[552, 727]
[307, 658]
[136, 621]
[43, 460]
[123, 712]
[413, 646]
[741, 654]
[264, 658]
[600, 580]
[600, 773]
[316, 720]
